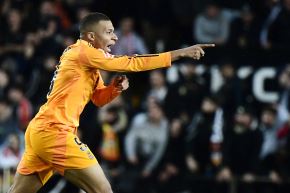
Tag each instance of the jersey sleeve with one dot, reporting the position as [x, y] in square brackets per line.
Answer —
[104, 94]
[96, 58]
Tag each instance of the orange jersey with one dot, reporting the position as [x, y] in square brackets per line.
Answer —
[77, 80]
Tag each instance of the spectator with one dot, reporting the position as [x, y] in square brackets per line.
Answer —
[282, 156]
[269, 149]
[115, 116]
[145, 144]
[40, 81]
[269, 128]
[11, 152]
[79, 14]
[49, 30]
[4, 82]
[8, 123]
[172, 171]
[22, 106]
[229, 93]
[211, 26]
[186, 94]
[129, 42]
[244, 30]
[204, 139]
[158, 88]
[13, 41]
[241, 148]
[113, 120]
[275, 32]
[283, 104]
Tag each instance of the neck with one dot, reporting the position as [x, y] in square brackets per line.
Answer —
[85, 39]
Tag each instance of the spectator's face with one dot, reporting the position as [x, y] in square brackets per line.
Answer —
[248, 17]
[49, 63]
[15, 95]
[47, 8]
[244, 119]
[110, 117]
[287, 4]
[13, 142]
[82, 12]
[68, 40]
[212, 11]
[227, 71]
[268, 118]
[127, 25]
[155, 113]
[188, 70]
[14, 18]
[208, 106]
[2, 107]
[176, 128]
[156, 79]
[284, 78]
[4, 79]
[5, 111]
[103, 37]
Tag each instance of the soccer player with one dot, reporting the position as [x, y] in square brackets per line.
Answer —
[51, 144]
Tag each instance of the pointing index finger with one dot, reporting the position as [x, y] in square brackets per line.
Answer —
[206, 45]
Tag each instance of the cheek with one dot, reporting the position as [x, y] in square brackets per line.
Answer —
[103, 42]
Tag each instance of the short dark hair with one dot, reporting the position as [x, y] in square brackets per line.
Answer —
[93, 18]
[270, 109]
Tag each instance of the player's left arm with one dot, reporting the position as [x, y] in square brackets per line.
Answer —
[105, 94]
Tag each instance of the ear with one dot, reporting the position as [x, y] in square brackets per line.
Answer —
[90, 36]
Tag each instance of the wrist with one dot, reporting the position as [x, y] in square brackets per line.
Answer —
[176, 55]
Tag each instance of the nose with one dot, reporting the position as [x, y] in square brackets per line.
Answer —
[115, 37]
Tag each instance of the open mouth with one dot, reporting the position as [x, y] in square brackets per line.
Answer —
[109, 47]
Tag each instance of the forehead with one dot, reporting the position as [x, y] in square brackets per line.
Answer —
[104, 25]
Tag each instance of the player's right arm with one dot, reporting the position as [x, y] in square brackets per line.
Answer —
[195, 52]
[97, 58]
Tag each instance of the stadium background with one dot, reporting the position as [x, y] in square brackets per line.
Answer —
[220, 124]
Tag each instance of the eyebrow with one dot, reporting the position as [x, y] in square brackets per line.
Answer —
[110, 29]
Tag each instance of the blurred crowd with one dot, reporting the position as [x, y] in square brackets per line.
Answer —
[174, 130]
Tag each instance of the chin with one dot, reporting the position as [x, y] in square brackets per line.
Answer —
[107, 50]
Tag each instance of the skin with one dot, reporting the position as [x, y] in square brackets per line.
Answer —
[92, 179]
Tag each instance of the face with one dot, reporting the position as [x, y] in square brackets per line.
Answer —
[49, 63]
[15, 95]
[243, 119]
[212, 11]
[156, 79]
[189, 69]
[154, 113]
[208, 106]
[176, 127]
[47, 8]
[13, 142]
[284, 78]
[103, 37]
[268, 118]
[14, 17]
[127, 25]
[228, 71]
[4, 79]
[287, 4]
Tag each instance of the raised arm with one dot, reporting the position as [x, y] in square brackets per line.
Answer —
[97, 58]
[195, 52]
